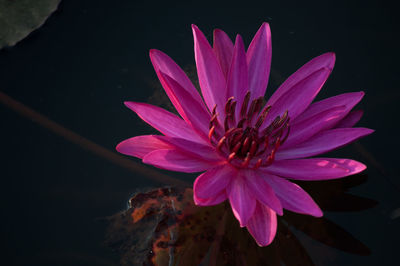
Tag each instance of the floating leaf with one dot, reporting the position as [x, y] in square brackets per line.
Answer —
[18, 18]
[164, 227]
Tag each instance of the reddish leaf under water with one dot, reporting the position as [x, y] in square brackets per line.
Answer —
[164, 227]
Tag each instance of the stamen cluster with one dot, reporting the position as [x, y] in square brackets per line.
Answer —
[242, 138]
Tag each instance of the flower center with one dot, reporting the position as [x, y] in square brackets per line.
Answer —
[243, 138]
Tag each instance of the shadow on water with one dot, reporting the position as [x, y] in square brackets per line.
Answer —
[164, 227]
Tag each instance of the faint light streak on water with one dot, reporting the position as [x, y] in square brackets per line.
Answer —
[88, 144]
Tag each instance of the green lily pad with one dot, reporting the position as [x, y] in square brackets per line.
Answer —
[18, 18]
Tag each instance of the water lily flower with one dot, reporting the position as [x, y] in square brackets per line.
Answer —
[247, 149]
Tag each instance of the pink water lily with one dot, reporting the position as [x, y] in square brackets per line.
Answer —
[248, 148]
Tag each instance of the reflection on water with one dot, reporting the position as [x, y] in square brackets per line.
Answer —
[164, 227]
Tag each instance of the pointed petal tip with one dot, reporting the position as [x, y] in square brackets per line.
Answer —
[315, 212]
[318, 214]
[355, 93]
[263, 226]
[353, 167]
[239, 45]
[216, 33]
[358, 95]
[243, 221]
[195, 29]
[239, 38]
[264, 29]
[139, 146]
[263, 242]
[359, 167]
[265, 26]
[365, 131]
[118, 147]
[154, 52]
[129, 104]
[327, 59]
[122, 147]
[331, 56]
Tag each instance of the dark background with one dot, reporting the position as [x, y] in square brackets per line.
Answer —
[90, 56]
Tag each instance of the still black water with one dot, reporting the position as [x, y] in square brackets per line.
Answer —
[90, 56]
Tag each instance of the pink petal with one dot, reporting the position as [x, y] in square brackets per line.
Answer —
[326, 60]
[262, 225]
[351, 119]
[215, 200]
[211, 78]
[212, 182]
[298, 98]
[259, 61]
[323, 142]
[163, 63]
[164, 121]
[242, 201]
[315, 168]
[346, 99]
[141, 145]
[292, 196]
[262, 191]
[301, 132]
[177, 161]
[191, 110]
[194, 149]
[223, 49]
[237, 82]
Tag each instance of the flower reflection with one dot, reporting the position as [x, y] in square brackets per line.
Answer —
[163, 226]
[247, 149]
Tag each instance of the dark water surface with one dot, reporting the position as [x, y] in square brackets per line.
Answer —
[90, 56]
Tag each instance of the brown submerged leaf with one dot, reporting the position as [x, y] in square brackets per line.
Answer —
[164, 227]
